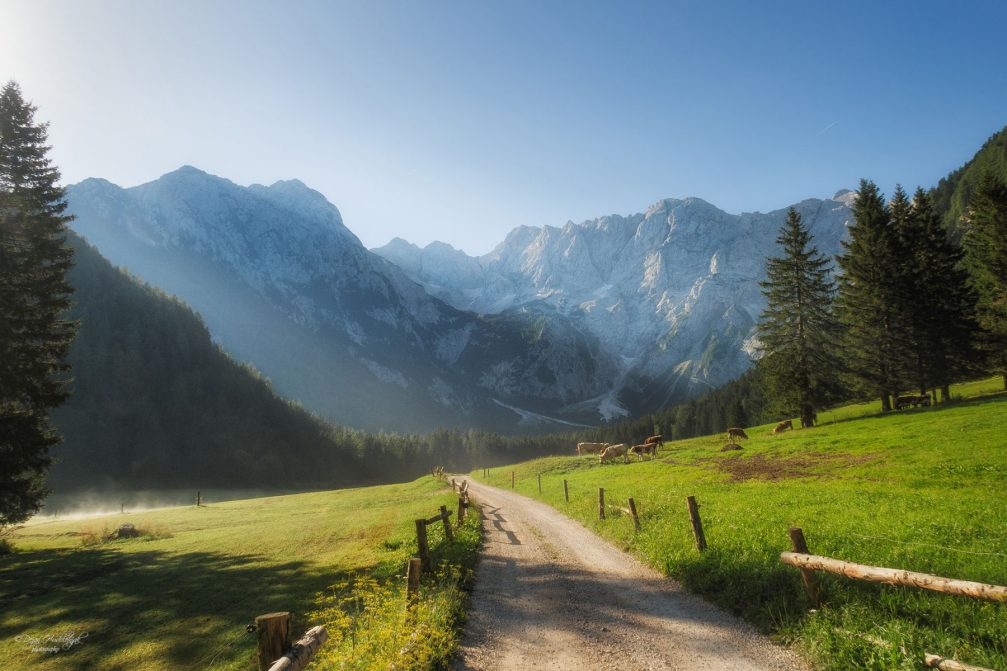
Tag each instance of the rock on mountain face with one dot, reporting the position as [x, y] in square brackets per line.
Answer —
[281, 282]
[671, 294]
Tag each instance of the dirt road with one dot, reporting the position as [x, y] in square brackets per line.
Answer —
[549, 594]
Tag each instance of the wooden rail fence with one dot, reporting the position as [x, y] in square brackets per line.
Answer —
[898, 577]
[274, 650]
[801, 558]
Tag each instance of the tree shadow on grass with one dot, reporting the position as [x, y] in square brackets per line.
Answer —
[183, 610]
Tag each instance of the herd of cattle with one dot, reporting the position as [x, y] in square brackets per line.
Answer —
[607, 452]
[650, 446]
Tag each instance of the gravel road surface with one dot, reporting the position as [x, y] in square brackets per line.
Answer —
[549, 594]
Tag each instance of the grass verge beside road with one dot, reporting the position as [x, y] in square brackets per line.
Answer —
[180, 596]
[921, 490]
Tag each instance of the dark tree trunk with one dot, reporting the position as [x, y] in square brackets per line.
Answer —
[886, 402]
[945, 393]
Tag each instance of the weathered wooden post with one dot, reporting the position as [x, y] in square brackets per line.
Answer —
[539, 483]
[512, 479]
[632, 510]
[122, 508]
[566, 492]
[601, 503]
[413, 570]
[697, 524]
[303, 651]
[943, 664]
[461, 510]
[447, 525]
[421, 542]
[807, 575]
[199, 499]
[273, 638]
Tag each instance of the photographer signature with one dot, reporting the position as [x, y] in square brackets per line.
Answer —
[51, 643]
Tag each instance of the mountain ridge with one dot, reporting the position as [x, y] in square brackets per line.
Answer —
[681, 276]
[281, 282]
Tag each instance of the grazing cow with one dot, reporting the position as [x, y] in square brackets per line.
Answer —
[613, 451]
[735, 432]
[783, 426]
[657, 440]
[646, 448]
[590, 448]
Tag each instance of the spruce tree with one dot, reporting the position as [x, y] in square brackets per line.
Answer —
[34, 294]
[797, 331]
[942, 302]
[871, 298]
[985, 243]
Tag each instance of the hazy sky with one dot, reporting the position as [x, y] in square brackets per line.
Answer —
[460, 120]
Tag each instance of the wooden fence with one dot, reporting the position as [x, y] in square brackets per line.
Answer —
[808, 563]
[801, 558]
[274, 649]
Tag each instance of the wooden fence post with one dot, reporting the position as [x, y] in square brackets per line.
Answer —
[447, 525]
[199, 499]
[413, 571]
[807, 575]
[601, 503]
[632, 510]
[566, 492]
[273, 634]
[461, 510]
[697, 524]
[512, 479]
[303, 651]
[539, 483]
[421, 542]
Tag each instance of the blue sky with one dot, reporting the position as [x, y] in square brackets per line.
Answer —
[459, 120]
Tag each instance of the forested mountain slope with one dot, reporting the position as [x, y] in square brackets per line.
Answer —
[156, 403]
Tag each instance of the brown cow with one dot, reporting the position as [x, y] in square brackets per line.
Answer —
[783, 426]
[590, 448]
[735, 432]
[657, 440]
[646, 448]
[613, 451]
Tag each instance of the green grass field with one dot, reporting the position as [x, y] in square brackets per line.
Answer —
[921, 489]
[181, 598]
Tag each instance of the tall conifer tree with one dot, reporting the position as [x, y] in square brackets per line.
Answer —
[985, 244]
[941, 302]
[34, 294]
[798, 331]
[871, 295]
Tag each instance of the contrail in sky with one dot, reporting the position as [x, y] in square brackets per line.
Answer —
[827, 128]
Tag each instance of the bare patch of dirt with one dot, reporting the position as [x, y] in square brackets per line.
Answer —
[761, 467]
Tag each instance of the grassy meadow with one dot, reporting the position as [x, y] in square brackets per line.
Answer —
[921, 489]
[180, 596]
